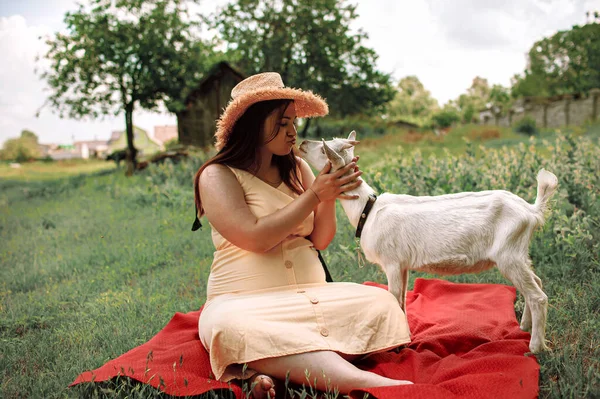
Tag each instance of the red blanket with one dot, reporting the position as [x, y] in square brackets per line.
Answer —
[466, 344]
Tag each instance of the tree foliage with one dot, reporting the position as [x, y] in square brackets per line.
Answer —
[499, 98]
[310, 43]
[475, 99]
[412, 102]
[121, 54]
[21, 149]
[446, 117]
[566, 62]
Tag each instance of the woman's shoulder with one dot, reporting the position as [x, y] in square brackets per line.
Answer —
[216, 173]
[304, 169]
[300, 161]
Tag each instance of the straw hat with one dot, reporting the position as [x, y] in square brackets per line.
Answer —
[263, 87]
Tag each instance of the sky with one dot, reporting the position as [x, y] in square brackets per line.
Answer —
[445, 43]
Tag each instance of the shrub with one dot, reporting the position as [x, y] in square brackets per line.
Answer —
[172, 144]
[526, 126]
[445, 118]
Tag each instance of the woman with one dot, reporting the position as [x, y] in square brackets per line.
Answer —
[268, 305]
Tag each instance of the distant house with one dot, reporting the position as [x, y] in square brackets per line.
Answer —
[196, 124]
[486, 116]
[45, 149]
[91, 148]
[58, 152]
[145, 144]
[165, 133]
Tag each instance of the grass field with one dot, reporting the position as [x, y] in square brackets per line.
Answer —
[92, 265]
[36, 171]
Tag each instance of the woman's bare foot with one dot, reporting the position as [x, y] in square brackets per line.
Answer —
[261, 386]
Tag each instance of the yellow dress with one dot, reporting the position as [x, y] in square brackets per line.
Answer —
[277, 303]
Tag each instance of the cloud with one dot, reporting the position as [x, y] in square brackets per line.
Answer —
[447, 43]
[444, 43]
[509, 24]
[22, 92]
[19, 44]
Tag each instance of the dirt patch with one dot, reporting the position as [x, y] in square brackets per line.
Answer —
[412, 137]
[415, 137]
[485, 134]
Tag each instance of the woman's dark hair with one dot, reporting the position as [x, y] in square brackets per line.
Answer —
[243, 143]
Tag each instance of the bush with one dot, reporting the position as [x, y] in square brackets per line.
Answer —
[342, 127]
[526, 126]
[172, 144]
[445, 118]
[22, 149]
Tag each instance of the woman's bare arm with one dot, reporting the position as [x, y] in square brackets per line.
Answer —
[325, 222]
[225, 208]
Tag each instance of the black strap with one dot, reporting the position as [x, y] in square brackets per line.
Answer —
[327, 275]
[365, 214]
[197, 225]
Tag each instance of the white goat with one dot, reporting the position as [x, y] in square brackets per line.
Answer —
[448, 234]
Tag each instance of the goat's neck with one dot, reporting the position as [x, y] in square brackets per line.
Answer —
[354, 207]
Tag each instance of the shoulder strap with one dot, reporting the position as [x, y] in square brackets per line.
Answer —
[197, 225]
[327, 274]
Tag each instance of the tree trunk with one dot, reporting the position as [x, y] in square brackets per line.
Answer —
[131, 152]
[182, 138]
[305, 129]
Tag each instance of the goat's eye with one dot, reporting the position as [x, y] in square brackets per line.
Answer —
[322, 150]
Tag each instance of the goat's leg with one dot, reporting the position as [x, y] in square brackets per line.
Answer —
[404, 278]
[526, 318]
[395, 283]
[520, 274]
[404, 274]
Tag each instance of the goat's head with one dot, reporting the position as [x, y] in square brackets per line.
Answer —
[339, 151]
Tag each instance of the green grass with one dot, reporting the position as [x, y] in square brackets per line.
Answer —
[92, 265]
[39, 170]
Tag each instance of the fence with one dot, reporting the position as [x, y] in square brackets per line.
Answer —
[550, 112]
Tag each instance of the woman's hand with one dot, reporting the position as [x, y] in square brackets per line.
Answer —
[329, 186]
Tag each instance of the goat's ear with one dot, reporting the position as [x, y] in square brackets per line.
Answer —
[352, 136]
[349, 144]
[336, 161]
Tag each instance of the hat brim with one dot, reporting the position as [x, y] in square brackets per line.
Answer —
[307, 105]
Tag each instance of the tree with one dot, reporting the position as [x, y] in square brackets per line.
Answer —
[566, 62]
[499, 99]
[311, 45]
[120, 54]
[474, 100]
[21, 149]
[445, 117]
[412, 102]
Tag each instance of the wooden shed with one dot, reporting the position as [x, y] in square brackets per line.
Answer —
[197, 123]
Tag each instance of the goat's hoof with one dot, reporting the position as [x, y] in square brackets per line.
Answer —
[525, 327]
[539, 348]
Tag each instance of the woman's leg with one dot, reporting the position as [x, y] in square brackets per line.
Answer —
[328, 368]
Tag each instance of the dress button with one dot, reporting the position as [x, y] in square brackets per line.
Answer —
[324, 332]
[288, 264]
[314, 300]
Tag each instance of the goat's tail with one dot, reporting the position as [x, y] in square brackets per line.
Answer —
[547, 184]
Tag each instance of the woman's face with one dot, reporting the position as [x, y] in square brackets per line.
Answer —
[285, 138]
